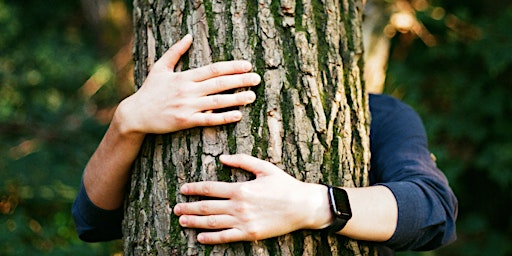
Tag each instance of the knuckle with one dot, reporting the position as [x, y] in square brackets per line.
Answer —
[216, 100]
[183, 208]
[211, 222]
[253, 232]
[245, 96]
[206, 239]
[187, 221]
[226, 118]
[220, 83]
[178, 104]
[214, 69]
[206, 189]
[240, 208]
[180, 118]
[209, 121]
[178, 76]
[223, 238]
[179, 92]
[237, 66]
[204, 208]
[244, 191]
[248, 79]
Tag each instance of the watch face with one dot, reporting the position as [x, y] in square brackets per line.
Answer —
[341, 206]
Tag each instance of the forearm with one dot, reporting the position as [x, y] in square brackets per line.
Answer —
[167, 102]
[289, 205]
[107, 172]
[374, 213]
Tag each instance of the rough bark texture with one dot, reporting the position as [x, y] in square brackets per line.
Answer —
[311, 117]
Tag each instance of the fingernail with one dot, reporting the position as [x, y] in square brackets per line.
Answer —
[183, 221]
[186, 36]
[256, 79]
[247, 65]
[226, 158]
[236, 115]
[184, 189]
[251, 96]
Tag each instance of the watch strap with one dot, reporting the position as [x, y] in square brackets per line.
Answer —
[339, 219]
[336, 225]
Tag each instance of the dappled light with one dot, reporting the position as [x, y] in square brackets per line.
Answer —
[61, 76]
[64, 69]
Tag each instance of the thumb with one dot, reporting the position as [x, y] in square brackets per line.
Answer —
[249, 163]
[173, 55]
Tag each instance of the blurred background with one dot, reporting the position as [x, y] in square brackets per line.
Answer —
[64, 65]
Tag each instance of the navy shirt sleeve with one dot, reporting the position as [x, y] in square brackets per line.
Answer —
[401, 161]
[94, 224]
[427, 207]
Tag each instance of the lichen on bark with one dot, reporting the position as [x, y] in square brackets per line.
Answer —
[310, 117]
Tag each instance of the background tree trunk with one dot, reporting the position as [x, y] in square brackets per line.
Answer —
[376, 43]
[311, 116]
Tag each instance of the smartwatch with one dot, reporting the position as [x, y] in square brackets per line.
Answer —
[340, 208]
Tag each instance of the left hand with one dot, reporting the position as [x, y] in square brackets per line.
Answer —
[271, 205]
[170, 101]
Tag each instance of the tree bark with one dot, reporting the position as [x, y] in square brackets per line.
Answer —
[311, 116]
[376, 44]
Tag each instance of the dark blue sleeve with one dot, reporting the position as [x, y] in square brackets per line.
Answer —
[401, 161]
[94, 224]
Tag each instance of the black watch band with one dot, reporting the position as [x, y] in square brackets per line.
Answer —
[340, 208]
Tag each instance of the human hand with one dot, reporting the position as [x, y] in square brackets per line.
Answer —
[170, 101]
[273, 204]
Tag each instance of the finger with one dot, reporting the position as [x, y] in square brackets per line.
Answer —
[219, 101]
[173, 55]
[219, 69]
[246, 162]
[207, 222]
[213, 119]
[221, 237]
[209, 189]
[203, 208]
[224, 83]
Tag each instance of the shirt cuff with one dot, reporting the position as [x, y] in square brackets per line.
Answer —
[94, 224]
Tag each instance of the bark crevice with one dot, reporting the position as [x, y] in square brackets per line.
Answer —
[310, 118]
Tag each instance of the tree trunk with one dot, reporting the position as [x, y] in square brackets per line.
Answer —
[376, 44]
[311, 116]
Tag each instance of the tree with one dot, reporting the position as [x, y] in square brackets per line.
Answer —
[311, 117]
[376, 43]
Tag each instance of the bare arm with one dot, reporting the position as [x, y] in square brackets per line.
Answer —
[410, 187]
[374, 214]
[168, 101]
[275, 204]
[106, 173]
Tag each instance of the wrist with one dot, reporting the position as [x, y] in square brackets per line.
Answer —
[123, 122]
[319, 214]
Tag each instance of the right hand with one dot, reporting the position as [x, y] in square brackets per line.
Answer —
[272, 204]
[171, 101]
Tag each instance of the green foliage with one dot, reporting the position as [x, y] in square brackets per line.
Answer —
[48, 127]
[462, 89]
